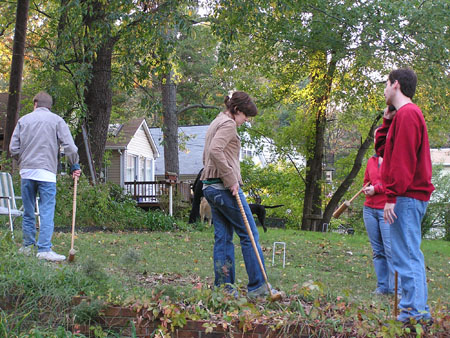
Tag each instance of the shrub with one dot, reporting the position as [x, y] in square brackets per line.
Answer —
[103, 205]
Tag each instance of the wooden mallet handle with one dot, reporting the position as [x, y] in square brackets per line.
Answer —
[346, 204]
[74, 212]
[252, 239]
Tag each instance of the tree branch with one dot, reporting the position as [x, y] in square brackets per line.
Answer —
[193, 106]
[285, 153]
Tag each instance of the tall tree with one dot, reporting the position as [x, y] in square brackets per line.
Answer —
[101, 45]
[327, 57]
[15, 80]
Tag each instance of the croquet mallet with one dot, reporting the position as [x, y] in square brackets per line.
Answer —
[346, 204]
[273, 297]
[74, 212]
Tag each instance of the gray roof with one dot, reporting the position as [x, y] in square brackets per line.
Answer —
[191, 141]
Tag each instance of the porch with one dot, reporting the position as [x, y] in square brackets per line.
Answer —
[151, 194]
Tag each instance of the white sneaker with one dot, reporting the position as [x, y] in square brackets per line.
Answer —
[50, 256]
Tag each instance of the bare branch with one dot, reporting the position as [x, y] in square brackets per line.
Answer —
[2, 32]
[199, 105]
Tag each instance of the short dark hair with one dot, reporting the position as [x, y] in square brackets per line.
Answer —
[241, 101]
[42, 99]
[407, 79]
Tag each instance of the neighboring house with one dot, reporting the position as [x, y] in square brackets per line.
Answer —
[190, 154]
[441, 157]
[133, 152]
[191, 141]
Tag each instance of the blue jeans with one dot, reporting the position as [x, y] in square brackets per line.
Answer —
[408, 258]
[227, 218]
[379, 233]
[47, 201]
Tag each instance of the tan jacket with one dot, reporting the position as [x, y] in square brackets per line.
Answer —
[221, 153]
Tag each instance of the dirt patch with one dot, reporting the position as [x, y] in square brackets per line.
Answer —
[174, 279]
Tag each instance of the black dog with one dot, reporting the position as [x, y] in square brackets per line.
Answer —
[197, 188]
[260, 211]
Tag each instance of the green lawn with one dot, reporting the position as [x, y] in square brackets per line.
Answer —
[342, 264]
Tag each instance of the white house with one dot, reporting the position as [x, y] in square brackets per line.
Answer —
[133, 152]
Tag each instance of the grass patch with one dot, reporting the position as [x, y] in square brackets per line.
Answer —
[325, 274]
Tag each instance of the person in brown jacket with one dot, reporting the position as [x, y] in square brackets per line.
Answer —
[221, 179]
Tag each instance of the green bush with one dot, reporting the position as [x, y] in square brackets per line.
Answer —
[103, 205]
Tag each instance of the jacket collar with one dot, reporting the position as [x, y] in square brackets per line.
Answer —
[41, 109]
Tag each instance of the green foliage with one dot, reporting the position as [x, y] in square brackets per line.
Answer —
[276, 184]
[17, 331]
[438, 210]
[334, 62]
[87, 312]
[103, 205]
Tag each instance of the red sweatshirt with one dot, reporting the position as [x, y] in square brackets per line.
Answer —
[373, 175]
[406, 169]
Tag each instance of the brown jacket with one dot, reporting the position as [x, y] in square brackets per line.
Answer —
[221, 153]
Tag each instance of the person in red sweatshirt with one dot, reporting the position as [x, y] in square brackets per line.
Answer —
[378, 230]
[406, 176]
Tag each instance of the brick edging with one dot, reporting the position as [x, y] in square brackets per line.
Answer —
[119, 319]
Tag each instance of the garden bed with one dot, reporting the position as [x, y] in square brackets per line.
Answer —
[142, 321]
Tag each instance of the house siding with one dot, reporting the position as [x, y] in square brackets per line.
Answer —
[113, 171]
[140, 145]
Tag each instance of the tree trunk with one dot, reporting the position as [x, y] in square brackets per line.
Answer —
[170, 128]
[98, 99]
[15, 81]
[312, 211]
[345, 185]
[312, 205]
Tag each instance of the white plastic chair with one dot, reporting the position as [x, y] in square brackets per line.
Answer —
[8, 204]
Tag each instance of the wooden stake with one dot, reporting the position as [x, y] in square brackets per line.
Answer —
[395, 296]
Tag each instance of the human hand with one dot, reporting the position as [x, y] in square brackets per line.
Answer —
[76, 173]
[389, 114]
[389, 213]
[370, 190]
[234, 189]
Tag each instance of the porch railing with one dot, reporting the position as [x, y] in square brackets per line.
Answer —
[150, 192]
